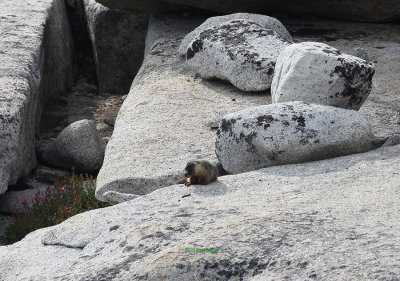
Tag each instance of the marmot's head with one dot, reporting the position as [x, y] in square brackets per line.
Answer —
[190, 168]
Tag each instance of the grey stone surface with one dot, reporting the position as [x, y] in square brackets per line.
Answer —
[361, 53]
[239, 51]
[162, 124]
[334, 219]
[152, 142]
[353, 10]
[78, 146]
[291, 132]
[318, 73]
[49, 175]
[114, 197]
[393, 140]
[118, 43]
[35, 62]
[264, 21]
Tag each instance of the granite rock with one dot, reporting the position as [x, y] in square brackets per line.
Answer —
[291, 132]
[35, 62]
[334, 219]
[118, 43]
[264, 21]
[78, 146]
[239, 51]
[317, 73]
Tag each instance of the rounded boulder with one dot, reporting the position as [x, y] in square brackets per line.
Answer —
[78, 146]
[285, 133]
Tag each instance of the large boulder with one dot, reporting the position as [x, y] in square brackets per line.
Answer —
[240, 51]
[317, 73]
[166, 120]
[264, 21]
[35, 62]
[118, 44]
[354, 10]
[291, 132]
[78, 146]
[334, 219]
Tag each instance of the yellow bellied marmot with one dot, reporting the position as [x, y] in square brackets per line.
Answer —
[199, 172]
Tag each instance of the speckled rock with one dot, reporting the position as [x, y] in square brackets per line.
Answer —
[79, 146]
[35, 62]
[334, 219]
[118, 43]
[240, 51]
[114, 197]
[291, 132]
[317, 73]
[264, 21]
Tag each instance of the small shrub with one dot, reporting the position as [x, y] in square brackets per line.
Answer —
[72, 196]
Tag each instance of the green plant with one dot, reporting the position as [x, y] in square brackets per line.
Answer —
[67, 198]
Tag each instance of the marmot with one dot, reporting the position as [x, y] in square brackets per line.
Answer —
[199, 172]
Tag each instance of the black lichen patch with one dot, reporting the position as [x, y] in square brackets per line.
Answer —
[157, 234]
[265, 121]
[308, 136]
[358, 80]
[248, 139]
[226, 126]
[196, 47]
[115, 227]
[226, 269]
[301, 121]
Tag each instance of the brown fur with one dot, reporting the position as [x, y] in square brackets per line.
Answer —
[199, 172]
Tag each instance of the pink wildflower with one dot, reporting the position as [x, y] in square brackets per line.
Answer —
[22, 201]
[62, 188]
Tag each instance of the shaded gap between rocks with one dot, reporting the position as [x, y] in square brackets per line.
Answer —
[84, 62]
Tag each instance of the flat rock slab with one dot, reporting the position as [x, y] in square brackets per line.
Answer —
[35, 62]
[165, 120]
[335, 219]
